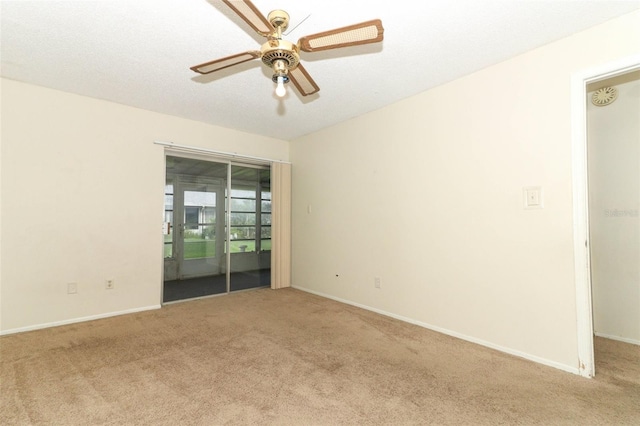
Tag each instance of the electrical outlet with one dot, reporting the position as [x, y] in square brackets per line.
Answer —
[376, 282]
[72, 288]
[109, 284]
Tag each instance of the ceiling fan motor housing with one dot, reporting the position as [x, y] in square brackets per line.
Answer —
[280, 50]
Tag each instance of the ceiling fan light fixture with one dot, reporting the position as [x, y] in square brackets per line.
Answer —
[281, 91]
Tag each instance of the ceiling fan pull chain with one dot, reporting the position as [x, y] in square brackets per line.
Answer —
[300, 23]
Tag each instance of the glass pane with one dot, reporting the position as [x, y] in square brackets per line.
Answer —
[209, 215]
[168, 218]
[249, 268]
[242, 205]
[168, 246]
[168, 202]
[191, 218]
[265, 245]
[265, 232]
[200, 242]
[243, 219]
[195, 264]
[243, 233]
[265, 219]
[246, 192]
[200, 198]
[243, 246]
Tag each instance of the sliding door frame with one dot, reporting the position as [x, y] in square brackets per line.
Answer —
[252, 162]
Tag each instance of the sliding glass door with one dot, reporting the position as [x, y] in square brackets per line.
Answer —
[250, 227]
[202, 255]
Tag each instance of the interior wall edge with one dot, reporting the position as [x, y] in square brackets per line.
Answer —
[507, 350]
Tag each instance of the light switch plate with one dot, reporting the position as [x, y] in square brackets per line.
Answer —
[532, 197]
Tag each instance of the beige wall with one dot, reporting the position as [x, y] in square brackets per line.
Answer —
[427, 195]
[614, 198]
[82, 201]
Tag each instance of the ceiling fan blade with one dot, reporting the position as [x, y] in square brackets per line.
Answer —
[226, 62]
[251, 15]
[303, 81]
[362, 33]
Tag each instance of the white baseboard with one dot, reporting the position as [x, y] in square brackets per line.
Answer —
[618, 338]
[539, 360]
[77, 320]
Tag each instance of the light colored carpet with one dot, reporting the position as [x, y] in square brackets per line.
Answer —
[288, 357]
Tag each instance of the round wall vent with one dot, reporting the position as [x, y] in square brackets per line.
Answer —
[604, 96]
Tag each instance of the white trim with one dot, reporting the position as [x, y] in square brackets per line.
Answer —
[225, 154]
[581, 243]
[484, 343]
[618, 338]
[77, 320]
[581, 227]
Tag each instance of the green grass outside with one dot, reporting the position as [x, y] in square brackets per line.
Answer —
[196, 248]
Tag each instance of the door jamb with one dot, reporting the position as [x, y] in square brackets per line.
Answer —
[581, 242]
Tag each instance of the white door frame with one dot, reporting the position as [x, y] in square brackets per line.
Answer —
[581, 241]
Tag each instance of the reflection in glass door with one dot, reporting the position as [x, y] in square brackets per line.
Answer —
[202, 256]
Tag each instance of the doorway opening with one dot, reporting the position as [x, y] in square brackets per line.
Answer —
[582, 239]
[613, 167]
[217, 228]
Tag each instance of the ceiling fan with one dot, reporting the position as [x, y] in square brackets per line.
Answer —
[282, 56]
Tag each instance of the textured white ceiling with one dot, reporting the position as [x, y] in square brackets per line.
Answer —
[138, 52]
